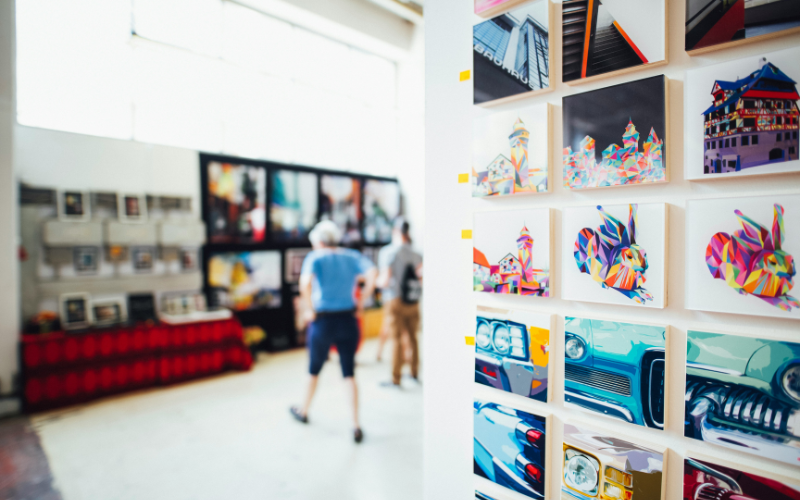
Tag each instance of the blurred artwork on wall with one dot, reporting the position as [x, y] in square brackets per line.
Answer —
[294, 201]
[236, 203]
[381, 207]
[340, 202]
[246, 280]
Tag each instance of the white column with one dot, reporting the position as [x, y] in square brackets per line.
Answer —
[510, 59]
[9, 280]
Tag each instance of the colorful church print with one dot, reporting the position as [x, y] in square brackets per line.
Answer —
[753, 121]
[514, 273]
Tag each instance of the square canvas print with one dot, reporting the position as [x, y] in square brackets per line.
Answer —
[510, 448]
[510, 153]
[511, 54]
[294, 200]
[706, 479]
[717, 24]
[246, 280]
[512, 252]
[603, 117]
[381, 207]
[616, 254]
[512, 351]
[616, 369]
[131, 207]
[73, 205]
[341, 202]
[740, 255]
[75, 310]
[109, 312]
[143, 259]
[742, 117]
[86, 260]
[608, 37]
[236, 207]
[600, 465]
[743, 393]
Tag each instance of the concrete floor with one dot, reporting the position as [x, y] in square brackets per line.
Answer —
[233, 437]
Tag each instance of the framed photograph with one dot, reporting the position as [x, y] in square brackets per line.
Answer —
[741, 117]
[616, 369]
[381, 207]
[236, 203]
[76, 310]
[294, 199]
[615, 254]
[512, 352]
[131, 207]
[512, 53]
[609, 38]
[740, 255]
[73, 205]
[512, 252]
[714, 25]
[294, 258]
[141, 307]
[109, 312]
[143, 259]
[610, 119]
[86, 260]
[705, 476]
[188, 258]
[340, 201]
[511, 448]
[743, 393]
[243, 281]
[511, 153]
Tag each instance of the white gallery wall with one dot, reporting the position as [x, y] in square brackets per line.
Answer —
[450, 303]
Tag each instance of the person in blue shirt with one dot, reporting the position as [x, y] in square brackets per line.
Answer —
[328, 281]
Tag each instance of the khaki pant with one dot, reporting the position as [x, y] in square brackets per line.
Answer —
[404, 319]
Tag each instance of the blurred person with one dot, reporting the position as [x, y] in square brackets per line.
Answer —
[328, 282]
[400, 280]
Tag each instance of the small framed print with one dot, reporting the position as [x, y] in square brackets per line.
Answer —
[143, 258]
[75, 310]
[85, 260]
[188, 258]
[73, 205]
[141, 307]
[132, 207]
[200, 302]
[109, 312]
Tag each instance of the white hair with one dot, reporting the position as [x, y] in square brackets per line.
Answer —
[325, 233]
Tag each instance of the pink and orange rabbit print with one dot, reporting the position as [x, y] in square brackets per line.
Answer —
[741, 259]
[615, 254]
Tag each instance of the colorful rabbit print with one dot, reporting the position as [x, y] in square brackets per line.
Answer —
[610, 255]
[752, 261]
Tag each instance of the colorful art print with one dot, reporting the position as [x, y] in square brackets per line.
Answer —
[707, 479]
[512, 252]
[609, 37]
[243, 281]
[85, 259]
[294, 200]
[603, 117]
[381, 207]
[75, 310]
[742, 117]
[621, 248]
[141, 307]
[236, 207]
[131, 207]
[740, 255]
[188, 258]
[108, 312]
[340, 201]
[511, 54]
[294, 258]
[510, 448]
[521, 135]
[717, 24]
[73, 205]
[179, 303]
[512, 352]
[743, 393]
[486, 8]
[143, 259]
[600, 465]
[616, 369]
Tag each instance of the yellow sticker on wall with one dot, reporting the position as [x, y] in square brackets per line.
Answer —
[463, 76]
[463, 178]
[470, 340]
[466, 234]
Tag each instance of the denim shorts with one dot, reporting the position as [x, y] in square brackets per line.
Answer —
[338, 329]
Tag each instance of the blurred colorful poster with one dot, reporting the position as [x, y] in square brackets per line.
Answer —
[341, 203]
[246, 280]
[381, 206]
[293, 205]
[237, 203]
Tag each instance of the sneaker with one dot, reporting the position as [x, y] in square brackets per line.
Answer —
[298, 415]
[390, 384]
[358, 436]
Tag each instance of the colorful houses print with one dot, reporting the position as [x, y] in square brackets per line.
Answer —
[619, 166]
[505, 177]
[753, 121]
[513, 274]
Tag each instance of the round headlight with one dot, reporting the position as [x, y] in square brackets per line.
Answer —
[574, 348]
[483, 336]
[581, 474]
[502, 340]
[791, 382]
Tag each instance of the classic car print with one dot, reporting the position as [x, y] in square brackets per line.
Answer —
[616, 369]
[709, 481]
[510, 448]
[599, 466]
[512, 351]
[744, 393]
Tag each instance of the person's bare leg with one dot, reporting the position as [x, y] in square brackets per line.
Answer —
[353, 388]
[312, 388]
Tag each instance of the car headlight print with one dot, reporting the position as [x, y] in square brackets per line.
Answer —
[790, 381]
[501, 339]
[575, 348]
[483, 336]
[581, 472]
[517, 334]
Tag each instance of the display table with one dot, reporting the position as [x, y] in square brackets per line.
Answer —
[60, 368]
